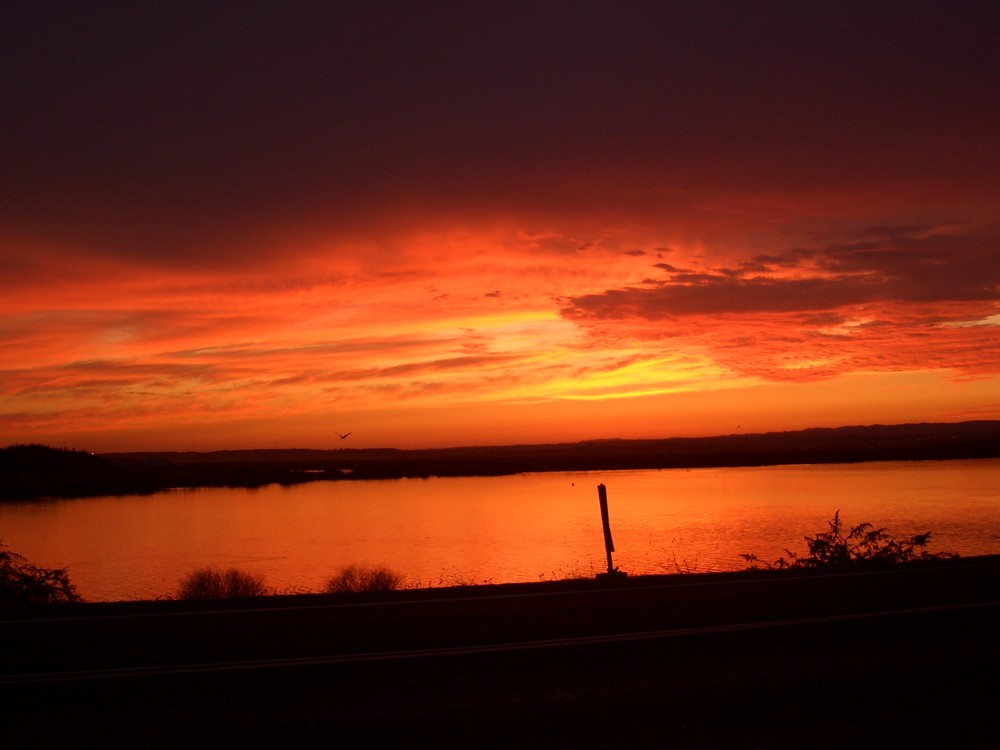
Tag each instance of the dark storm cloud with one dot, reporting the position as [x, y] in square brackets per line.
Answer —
[160, 129]
[900, 269]
[924, 269]
[714, 295]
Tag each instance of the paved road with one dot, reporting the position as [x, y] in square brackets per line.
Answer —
[879, 660]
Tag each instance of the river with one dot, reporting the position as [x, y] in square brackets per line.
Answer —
[473, 530]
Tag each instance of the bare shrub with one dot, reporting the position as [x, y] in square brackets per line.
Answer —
[843, 546]
[355, 578]
[209, 583]
[22, 583]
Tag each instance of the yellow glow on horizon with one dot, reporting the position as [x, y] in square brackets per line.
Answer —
[565, 335]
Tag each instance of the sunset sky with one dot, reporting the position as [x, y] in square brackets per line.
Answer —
[254, 224]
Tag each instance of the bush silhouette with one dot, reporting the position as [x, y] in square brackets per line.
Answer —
[22, 583]
[843, 546]
[355, 578]
[209, 583]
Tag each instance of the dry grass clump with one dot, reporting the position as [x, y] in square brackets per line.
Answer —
[209, 583]
[356, 578]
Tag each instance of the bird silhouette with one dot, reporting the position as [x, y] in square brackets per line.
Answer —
[344, 436]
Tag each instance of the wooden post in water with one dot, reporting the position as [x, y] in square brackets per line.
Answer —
[609, 545]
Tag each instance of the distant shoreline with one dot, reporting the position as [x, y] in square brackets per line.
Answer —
[30, 472]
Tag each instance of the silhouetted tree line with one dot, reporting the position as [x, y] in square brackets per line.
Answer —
[37, 471]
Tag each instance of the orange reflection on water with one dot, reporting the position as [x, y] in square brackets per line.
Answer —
[497, 529]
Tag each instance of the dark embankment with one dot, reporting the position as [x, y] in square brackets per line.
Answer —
[35, 471]
[904, 656]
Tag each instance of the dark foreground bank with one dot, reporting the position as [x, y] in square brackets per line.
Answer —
[884, 659]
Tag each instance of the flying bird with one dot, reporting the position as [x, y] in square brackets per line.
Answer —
[344, 436]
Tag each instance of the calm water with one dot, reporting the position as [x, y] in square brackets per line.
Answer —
[525, 527]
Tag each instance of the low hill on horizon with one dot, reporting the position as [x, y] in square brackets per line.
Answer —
[839, 442]
[55, 473]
